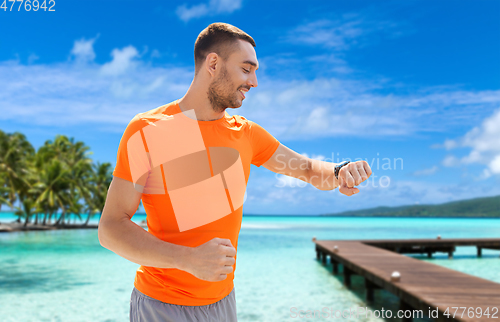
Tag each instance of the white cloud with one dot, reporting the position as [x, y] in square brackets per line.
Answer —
[342, 33]
[83, 50]
[225, 6]
[213, 7]
[287, 181]
[122, 61]
[485, 174]
[155, 54]
[495, 165]
[319, 157]
[317, 119]
[336, 106]
[32, 58]
[186, 14]
[450, 161]
[448, 145]
[484, 144]
[82, 92]
[292, 65]
[426, 172]
[270, 196]
[333, 34]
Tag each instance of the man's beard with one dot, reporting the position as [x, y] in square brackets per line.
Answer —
[220, 92]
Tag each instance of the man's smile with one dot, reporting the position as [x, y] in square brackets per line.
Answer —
[242, 91]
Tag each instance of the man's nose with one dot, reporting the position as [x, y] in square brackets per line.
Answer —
[253, 81]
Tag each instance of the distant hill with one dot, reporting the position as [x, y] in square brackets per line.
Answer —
[488, 207]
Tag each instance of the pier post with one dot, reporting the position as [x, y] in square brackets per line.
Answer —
[479, 251]
[429, 254]
[450, 254]
[370, 290]
[403, 306]
[335, 266]
[318, 254]
[347, 276]
[324, 258]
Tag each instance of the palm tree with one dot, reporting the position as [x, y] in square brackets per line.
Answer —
[81, 175]
[28, 195]
[74, 158]
[53, 189]
[15, 155]
[96, 189]
[58, 177]
[81, 171]
[98, 186]
[4, 192]
[75, 208]
[28, 208]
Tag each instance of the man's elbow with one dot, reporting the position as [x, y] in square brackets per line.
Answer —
[101, 233]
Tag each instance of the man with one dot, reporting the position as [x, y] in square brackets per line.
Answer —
[189, 162]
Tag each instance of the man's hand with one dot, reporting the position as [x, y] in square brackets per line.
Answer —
[212, 261]
[352, 175]
[318, 173]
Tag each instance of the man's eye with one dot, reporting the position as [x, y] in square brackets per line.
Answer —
[246, 70]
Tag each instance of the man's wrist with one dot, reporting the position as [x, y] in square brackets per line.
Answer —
[336, 182]
[338, 167]
[182, 257]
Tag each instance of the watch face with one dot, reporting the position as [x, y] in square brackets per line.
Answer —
[337, 168]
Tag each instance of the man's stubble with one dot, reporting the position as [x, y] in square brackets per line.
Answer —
[220, 92]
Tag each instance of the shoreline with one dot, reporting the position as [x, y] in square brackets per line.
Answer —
[16, 227]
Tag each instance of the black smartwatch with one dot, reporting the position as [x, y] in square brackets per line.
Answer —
[338, 166]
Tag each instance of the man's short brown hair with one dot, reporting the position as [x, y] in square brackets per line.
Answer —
[220, 38]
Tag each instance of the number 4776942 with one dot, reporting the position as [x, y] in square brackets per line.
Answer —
[29, 5]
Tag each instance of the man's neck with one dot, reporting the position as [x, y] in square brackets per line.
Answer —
[196, 99]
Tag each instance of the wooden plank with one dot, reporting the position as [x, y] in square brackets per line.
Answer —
[422, 284]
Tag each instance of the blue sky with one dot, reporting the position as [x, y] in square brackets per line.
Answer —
[413, 87]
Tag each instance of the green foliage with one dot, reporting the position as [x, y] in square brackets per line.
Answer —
[59, 179]
[488, 207]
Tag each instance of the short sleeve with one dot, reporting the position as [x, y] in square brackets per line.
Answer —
[132, 163]
[263, 144]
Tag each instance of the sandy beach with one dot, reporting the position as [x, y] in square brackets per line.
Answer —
[19, 226]
[16, 226]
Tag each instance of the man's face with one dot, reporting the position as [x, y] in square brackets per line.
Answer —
[235, 77]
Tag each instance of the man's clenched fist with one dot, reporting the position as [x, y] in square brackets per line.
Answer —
[352, 175]
[212, 261]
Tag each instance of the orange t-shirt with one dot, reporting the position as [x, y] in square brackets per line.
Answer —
[193, 176]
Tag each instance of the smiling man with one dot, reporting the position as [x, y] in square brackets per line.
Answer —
[189, 161]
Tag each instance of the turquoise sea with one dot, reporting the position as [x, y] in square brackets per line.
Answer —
[66, 275]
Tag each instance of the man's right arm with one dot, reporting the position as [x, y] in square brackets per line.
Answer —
[211, 261]
[118, 233]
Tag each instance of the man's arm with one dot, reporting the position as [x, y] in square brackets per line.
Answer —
[288, 162]
[318, 173]
[118, 233]
[211, 261]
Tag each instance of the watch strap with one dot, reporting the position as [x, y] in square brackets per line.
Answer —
[338, 167]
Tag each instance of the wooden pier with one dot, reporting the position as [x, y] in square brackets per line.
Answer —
[422, 285]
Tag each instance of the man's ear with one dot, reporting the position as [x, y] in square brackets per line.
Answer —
[211, 63]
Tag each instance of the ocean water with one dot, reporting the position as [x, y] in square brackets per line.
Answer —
[67, 276]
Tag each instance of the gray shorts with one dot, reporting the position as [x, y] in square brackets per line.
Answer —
[147, 309]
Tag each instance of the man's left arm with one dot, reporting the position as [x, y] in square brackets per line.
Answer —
[318, 173]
